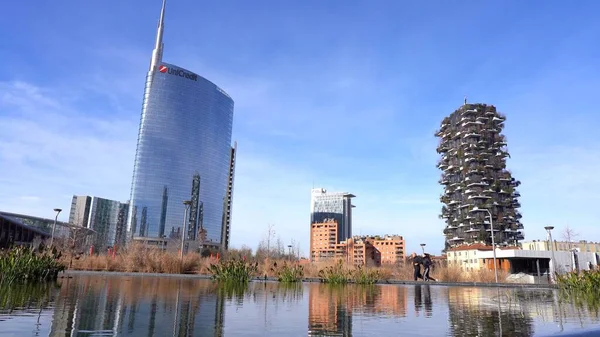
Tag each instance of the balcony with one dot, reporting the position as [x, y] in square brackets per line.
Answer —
[481, 184]
[472, 134]
[472, 230]
[469, 191]
[479, 197]
[471, 123]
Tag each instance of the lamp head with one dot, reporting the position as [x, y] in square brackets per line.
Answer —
[187, 202]
[58, 210]
[549, 228]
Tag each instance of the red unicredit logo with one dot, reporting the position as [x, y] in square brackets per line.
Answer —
[178, 72]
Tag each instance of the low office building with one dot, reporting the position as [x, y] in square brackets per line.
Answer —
[374, 250]
[514, 260]
[359, 250]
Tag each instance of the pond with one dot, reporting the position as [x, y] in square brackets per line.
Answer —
[91, 305]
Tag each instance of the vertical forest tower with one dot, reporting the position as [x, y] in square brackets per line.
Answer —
[475, 179]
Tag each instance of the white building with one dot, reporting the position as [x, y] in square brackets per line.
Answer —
[582, 245]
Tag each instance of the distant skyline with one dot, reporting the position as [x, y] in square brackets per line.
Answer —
[344, 96]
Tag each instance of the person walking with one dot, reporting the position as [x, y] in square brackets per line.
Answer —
[427, 263]
[416, 261]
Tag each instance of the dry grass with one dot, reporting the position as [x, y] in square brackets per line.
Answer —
[148, 260]
[144, 260]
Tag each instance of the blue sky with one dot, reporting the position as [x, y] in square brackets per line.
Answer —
[344, 95]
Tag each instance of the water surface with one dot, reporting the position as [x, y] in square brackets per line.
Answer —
[166, 306]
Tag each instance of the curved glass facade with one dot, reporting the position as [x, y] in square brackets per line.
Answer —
[183, 153]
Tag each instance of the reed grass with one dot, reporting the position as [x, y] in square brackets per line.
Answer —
[586, 282]
[582, 289]
[26, 265]
[335, 274]
[365, 275]
[233, 270]
[289, 273]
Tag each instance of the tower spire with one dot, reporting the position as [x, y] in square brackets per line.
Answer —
[158, 47]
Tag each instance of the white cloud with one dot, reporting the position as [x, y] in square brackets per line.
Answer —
[51, 150]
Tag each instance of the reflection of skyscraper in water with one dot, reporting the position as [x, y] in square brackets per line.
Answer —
[137, 307]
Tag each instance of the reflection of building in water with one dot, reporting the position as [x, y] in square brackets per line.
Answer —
[331, 308]
[484, 312]
[137, 307]
[328, 311]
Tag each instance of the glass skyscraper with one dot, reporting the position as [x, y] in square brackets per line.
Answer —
[183, 153]
[337, 206]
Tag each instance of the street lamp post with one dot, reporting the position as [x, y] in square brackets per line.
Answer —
[269, 233]
[493, 243]
[423, 248]
[57, 210]
[290, 251]
[186, 204]
[549, 230]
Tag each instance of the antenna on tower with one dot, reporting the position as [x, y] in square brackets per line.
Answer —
[158, 46]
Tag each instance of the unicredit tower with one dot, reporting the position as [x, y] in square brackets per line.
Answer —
[184, 161]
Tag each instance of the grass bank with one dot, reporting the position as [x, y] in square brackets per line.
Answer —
[147, 260]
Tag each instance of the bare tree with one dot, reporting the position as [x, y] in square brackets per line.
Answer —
[569, 235]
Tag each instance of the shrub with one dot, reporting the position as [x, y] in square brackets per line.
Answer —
[24, 265]
[582, 289]
[233, 270]
[365, 276]
[289, 273]
[587, 282]
[336, 274]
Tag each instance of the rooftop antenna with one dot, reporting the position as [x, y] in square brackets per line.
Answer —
[465, 99]
[158, 46]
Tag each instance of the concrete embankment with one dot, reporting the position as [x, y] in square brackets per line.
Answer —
[69, 273]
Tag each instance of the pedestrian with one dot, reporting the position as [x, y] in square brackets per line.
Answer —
[416, 262]
[427, 263]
